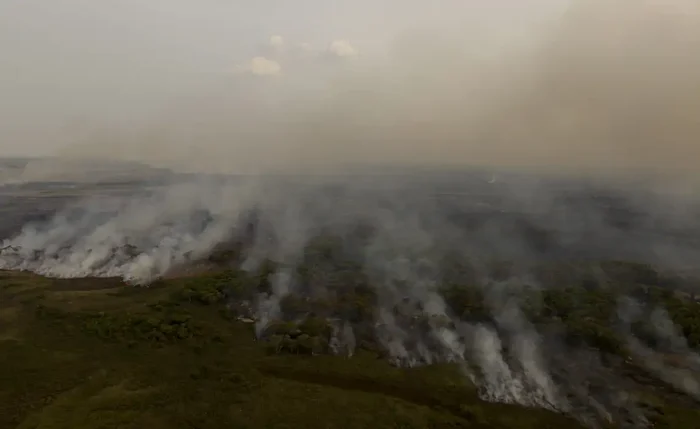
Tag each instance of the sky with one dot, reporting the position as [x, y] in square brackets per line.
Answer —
[232, 85]
[70, 64]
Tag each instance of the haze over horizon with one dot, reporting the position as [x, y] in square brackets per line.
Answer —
[229, 86]
[533, 285]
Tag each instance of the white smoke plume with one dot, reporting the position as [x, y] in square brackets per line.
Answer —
[500, 383]
[526, 346]
[603, 90]
[414, 227]
[684, 377]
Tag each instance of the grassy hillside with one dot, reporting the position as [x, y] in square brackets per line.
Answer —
[95, 353]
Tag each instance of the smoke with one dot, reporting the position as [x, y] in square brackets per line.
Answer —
[526, 346]
[683, 376]
[261, 66]
[602, 86]
[603, 91]
[342, 48]
[277, 42]
[423, 231]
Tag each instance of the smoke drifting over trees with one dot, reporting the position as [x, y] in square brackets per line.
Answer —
[503, 271]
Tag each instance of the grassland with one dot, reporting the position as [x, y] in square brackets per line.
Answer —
[95, 353]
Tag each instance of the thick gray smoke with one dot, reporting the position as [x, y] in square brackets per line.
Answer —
[673, 344]
[579, 85]
[602, 87]
[416, 223]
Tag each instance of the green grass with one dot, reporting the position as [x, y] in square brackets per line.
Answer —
[99, 354]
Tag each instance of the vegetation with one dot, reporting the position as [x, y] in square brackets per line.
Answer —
[182, 353]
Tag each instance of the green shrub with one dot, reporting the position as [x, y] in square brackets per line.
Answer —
[316, 327]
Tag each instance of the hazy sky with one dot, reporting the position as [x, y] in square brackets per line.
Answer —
[67, 65]
[232, 84]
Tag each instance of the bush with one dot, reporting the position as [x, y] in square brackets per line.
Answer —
[315, 327]
[311, 336]
[159, 328]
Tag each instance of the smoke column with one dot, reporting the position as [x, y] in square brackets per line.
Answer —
[334, 130]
